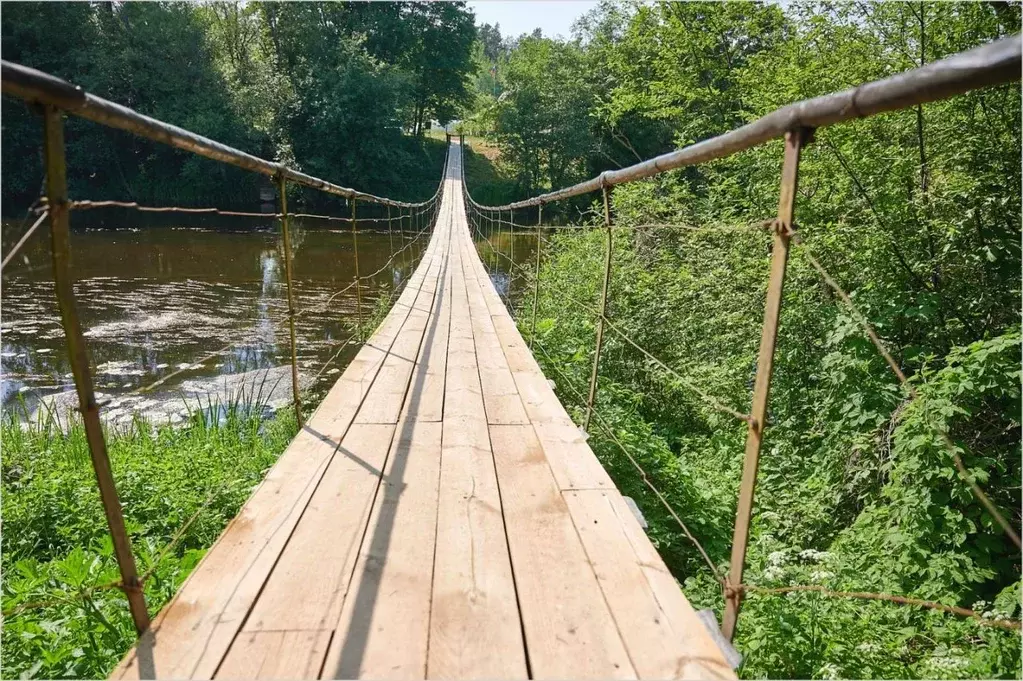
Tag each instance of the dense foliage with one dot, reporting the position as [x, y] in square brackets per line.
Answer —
[342, 90]
[56, 546]
[916, 213]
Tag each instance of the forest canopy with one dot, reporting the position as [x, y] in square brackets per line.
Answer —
[342, 91]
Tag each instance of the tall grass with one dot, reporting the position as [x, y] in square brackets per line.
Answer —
[56, 549]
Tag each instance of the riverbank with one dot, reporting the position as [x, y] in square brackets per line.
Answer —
[56, 547]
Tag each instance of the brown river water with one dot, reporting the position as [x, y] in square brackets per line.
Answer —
[160, 297]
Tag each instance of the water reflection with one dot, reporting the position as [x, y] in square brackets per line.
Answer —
[159, 298]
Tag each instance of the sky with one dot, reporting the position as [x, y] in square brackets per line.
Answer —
[553, 17]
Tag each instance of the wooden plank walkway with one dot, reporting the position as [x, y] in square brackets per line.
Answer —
[439, 516]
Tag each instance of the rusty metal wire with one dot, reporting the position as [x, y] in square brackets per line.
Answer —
[181, 532]
[25, 237]
[191, 365]
[710, 400]
[62, 600]
[639, 468]
[323, 307]
[861, 319]
[394, 293]
[35, 86]
[88, 205]
[216, 353]
[990, 64]
[343, 345]
[1009, 624]
[530, 229]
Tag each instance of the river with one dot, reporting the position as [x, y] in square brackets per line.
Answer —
[163, 297]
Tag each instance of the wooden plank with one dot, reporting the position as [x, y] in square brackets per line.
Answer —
[569, 631]
[384, 623]
[665, 639]
[308, 585]
[572, 462]
[194, 631]
[474, 626]
[474, 629]
[276, 655]
[467, 400]
[432, 362]
[384, 402]
[499, 391]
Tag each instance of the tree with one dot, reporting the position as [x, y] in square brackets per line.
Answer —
[439, 59]
[543, 122]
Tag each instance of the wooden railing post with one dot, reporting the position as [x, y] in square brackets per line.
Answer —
[795, 140]
[282, 190]
[358, 283]
[603, 309]
[536, 276]
[60, 240]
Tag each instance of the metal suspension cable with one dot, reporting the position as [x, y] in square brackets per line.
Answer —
[992, 64]
[394, 293]
[707, 398]
[868, 329]
[45, 213]
[229, 346]
[390, 260]
[62, 600]
[89, 205]
[42, 88]
[1009, 624]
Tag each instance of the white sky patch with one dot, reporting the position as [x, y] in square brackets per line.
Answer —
[553, 17]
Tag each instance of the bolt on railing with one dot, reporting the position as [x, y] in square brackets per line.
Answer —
[992, 64]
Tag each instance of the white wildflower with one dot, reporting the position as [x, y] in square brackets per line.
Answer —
[773, 572]
[818, 576]
[945, 662]
[777, 557]
[814, 555]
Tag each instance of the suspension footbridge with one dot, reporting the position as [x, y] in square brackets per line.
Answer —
[440, 514]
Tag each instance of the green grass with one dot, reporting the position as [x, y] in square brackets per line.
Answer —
[56, 547]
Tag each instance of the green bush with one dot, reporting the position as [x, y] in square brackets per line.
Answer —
[56, 548]
[856, 492]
